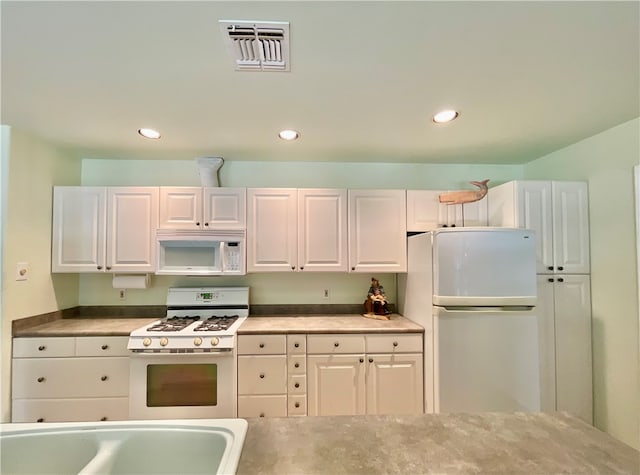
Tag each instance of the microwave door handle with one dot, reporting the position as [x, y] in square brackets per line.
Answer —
[223, 256]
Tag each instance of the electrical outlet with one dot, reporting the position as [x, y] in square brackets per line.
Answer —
[325, 294]
[123, 294]
[22, 271]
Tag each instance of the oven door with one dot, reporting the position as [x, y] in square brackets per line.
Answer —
[182, 385]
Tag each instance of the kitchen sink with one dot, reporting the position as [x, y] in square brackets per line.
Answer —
[193, 446]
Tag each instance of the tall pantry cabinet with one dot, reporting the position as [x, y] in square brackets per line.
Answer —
[558, 212]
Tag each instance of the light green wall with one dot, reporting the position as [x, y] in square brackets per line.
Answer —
[606, 162]
[34, 167]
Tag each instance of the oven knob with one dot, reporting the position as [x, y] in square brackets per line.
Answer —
[164, 341]
[214, 341]
[197, 341]
[146, 341]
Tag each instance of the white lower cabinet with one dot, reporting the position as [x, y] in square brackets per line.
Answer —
[70, 379]
[365, 374]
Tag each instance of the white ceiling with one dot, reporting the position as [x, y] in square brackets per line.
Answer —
[527, 77]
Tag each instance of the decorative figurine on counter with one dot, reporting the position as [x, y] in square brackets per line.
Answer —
[376, 305]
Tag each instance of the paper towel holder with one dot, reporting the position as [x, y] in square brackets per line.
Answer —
[130, 281]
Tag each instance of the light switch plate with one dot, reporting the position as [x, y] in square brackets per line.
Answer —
[22, 271]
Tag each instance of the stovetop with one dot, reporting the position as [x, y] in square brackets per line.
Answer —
[194, 323]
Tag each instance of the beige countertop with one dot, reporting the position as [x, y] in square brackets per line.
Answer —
[255, 324]
[498, 443]
[327, 324]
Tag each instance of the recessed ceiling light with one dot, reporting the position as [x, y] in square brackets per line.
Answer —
[149, 133]
[445, 116]
[288, 134]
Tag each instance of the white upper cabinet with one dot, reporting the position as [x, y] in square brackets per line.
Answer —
[557, 211]
[377, 231]
[98, 229]
[322, 230]
[185, 207]
[426, 213]
[296, 230]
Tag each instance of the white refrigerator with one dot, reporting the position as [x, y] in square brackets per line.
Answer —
[474, 292]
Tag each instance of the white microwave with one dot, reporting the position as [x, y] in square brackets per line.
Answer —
[182, 252]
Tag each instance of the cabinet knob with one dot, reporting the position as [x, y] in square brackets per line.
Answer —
[297, 345]
[293, 267]
[42, 348]
[261, 414]
[261, 345]
[453, 225]
[99, 267]
[336, 344]
[353, 268]
[301, 267]
[297, 404]
[297, 365]
[41, 379]
[197, 223]
[395, 343]
[40, 419]
[297, 385]
[551, 280]
[445, 225]
[105, 347]
[361, 360]
[103, 418]
[261, 375]
[550, 268]
[370, 360]
[560, 279]
[108, 267]
[104, 378]
[206, 224]
[560, 268]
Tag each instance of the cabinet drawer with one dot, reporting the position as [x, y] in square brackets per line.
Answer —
[297, 364]
[262, 406]
[296, 344]
[43, 347]
[262, 374]
[102, 346]
[335, 343]
[297, 384]
[297, 406]
[70, 410]
[394, 343]
[262, 344]
[70, 377]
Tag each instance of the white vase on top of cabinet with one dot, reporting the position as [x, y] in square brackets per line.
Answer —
[296, 230]
[191, 207]
[104, 229]
[377, 231]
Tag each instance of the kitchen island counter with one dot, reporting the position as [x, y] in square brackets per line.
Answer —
[351, 323]
[516, 443]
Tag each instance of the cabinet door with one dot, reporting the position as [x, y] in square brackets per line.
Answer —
[272, 230]
[424, 210]
[180, 207]
[535, 212]
[545, 311]
[573, 345]
[570, 227]
[79, 222]
[322, 230]
[473, 214]
[225, 208]
[70, 410]
[131, 222]
[394, 384]
[377, 231]
[336, 385]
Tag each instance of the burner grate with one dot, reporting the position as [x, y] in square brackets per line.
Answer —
[173, 324]
[213, 324]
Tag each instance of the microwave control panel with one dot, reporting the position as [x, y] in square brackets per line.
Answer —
[232, 259]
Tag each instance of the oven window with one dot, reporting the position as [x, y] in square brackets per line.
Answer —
[182, 385]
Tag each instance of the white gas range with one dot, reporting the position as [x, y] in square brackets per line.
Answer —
[184, 365]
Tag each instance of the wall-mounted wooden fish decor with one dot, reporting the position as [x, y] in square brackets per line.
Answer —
[458, 197]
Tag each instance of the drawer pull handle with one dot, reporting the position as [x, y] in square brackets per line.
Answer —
[261, 345]
[104, 378]
[40, 379]
[261, 375]
[395, 343]
[105, 347]
[297, 365]
[262, 414]
[103, 418]
[336, 344]
[40, 420]
[297, 385]
[297, 345]
[297, 404]
[370, 360]
[42, 348]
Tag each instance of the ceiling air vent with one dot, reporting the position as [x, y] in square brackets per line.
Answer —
[257, 45]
